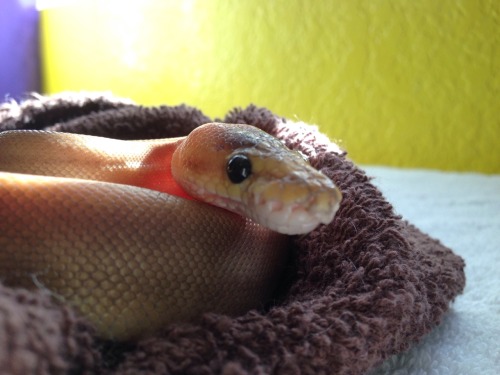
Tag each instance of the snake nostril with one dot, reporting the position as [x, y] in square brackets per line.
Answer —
[238, 168]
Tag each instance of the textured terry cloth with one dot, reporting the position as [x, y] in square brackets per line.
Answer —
[365, 287]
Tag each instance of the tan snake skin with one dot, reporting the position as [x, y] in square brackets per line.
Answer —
[130, 259]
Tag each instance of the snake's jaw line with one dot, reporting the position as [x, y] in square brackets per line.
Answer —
[299, 217]
[264, 203]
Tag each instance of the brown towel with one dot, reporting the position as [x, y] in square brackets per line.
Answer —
[365, 287]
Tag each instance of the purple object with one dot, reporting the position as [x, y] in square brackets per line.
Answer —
[19, 48]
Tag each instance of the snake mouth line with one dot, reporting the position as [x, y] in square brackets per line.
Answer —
[294, 218]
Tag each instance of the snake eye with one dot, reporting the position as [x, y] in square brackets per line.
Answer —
[238, 168]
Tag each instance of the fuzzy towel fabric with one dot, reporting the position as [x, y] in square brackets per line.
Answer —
[357, 291]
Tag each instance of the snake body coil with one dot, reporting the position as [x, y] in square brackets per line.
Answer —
[104, 224]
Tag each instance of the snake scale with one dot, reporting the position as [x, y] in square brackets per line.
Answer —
[136, 235]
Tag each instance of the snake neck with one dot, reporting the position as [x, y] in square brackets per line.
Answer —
[141, 163]
[156, 170]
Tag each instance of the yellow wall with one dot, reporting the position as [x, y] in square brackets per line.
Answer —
[399, 82]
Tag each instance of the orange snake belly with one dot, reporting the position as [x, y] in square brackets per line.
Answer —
[83, 222]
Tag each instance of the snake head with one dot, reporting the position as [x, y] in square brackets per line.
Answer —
[247, 171]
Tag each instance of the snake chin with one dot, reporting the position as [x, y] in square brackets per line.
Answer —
[294, 219]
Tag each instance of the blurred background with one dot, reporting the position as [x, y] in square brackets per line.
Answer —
[395, 82]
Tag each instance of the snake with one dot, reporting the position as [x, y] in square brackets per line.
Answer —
[138, 234]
